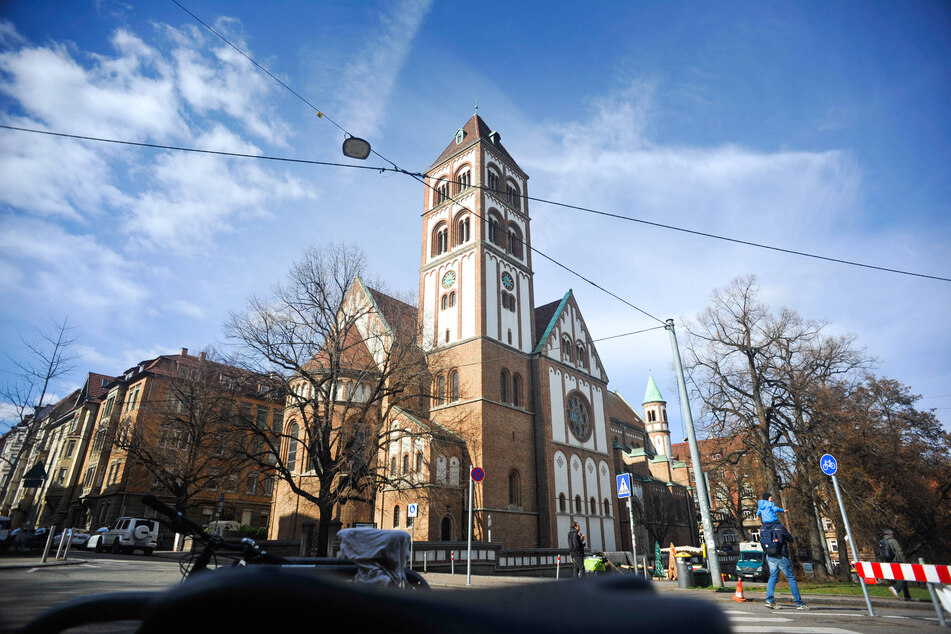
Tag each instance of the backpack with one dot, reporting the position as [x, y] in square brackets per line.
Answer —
[771, 539]
[885, 551]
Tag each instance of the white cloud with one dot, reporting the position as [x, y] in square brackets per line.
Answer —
[187, 309]
[369, 76]
[56, 269]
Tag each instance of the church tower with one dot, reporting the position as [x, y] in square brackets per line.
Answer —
[655, 417]
[476, 311]
[476, 265]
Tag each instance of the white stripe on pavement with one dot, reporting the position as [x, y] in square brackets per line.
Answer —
[766, 629]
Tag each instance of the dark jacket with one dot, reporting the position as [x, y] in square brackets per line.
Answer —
[575, 541]
[899, 553]
[784, 534]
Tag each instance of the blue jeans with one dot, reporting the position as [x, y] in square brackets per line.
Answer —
[775, 565]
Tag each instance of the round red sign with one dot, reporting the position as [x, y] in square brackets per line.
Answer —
[477, 474]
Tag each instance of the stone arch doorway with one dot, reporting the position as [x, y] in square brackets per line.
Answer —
[445, 529]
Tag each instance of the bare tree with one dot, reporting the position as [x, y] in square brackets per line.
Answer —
[47, 359]
[349, 357]
[192, 436]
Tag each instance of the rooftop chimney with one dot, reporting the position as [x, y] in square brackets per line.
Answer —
[184, 352]
[201, 356]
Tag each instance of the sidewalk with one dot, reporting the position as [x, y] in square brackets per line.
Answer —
[34, 561]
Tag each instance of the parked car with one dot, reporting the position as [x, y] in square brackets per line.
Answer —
[5, 537]
[38, 539]
[93, 542]
[128, 534]
[77, 540]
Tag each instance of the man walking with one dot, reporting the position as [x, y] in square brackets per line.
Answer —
[890, 550]
[576, 548]
[775, 540]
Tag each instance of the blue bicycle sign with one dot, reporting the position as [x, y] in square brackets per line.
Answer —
[828, 464]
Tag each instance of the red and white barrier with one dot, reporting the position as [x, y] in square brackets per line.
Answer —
[907, 572]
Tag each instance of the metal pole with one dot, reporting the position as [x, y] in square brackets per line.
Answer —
[699, 479]
[934, 599]
[630, 510]
[469, 550]
[558, 569]
[412, 538]
[848, 532]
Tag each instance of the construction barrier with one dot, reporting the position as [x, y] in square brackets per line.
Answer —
[908, 572]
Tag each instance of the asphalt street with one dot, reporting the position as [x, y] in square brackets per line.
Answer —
[28, 588]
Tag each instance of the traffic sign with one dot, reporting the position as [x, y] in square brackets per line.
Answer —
[623, 485]
[477, 474]
[828, 464]
[412, 510]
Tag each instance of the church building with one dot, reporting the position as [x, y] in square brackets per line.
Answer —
[520, 392]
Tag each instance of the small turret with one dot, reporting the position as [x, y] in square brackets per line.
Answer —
[655, 417]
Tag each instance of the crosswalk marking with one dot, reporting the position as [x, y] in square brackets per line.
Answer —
[785, 629]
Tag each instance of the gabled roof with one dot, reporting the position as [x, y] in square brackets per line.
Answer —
[620, 410]
[431, 426]
[397, 314]
[95, 387]
[546, 317]
[476, 130]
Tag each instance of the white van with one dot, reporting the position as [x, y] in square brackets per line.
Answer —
[128, 534]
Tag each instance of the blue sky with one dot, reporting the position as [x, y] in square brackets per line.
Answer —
[820, 127]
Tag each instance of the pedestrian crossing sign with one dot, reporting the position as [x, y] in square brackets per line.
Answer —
[623, 485]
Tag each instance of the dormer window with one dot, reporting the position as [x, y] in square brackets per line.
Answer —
[495, 137]
[460, 135]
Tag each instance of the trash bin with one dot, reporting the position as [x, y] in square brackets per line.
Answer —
[684, 573]
[701, 577]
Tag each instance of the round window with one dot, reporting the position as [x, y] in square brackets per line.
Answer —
[578, 420]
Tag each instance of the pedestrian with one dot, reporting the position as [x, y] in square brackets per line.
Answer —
[896, 555]
[775, 540]
[767, 510]
[576, 548]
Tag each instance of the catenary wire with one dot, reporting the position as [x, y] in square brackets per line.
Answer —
[578, 207]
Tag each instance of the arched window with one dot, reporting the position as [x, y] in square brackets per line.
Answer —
[566, 348]
[442, 240]
[454, 471]
[651, 416]
[511, 195]
[607, 506]
[577, 504]
[503, 386]
[405, 463]
[492, 180]
[515, 490]
[454, 385]
[516, 390]
[419, 462]
[445, 302]
[495, 229]
[582, 357]
[396, 516]
[393, 472]
[463, 179]
[291, 461]
[463, 233]
[440, 390]
[515, 241]
[441, 469]
[562, 503]
[452, 299]
[593, 506]
[442, 192]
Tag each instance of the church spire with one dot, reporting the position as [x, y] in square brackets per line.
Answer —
[653, 394]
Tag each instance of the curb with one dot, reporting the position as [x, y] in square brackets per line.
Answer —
[29, 563]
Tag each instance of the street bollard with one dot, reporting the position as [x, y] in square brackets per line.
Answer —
[452, 562]
[69, 543]
[425, 559]
[558, 569]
